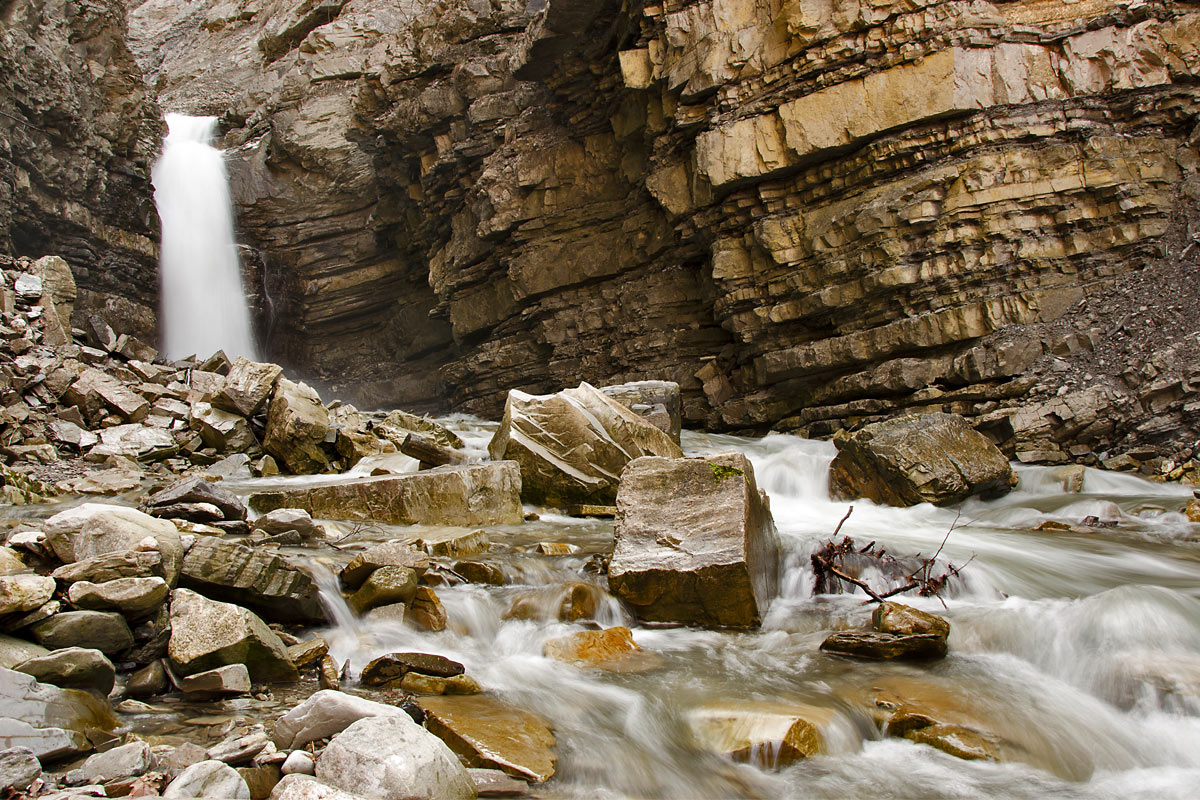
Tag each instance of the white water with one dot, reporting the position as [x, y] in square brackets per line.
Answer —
[203, 303]
[1080, 652]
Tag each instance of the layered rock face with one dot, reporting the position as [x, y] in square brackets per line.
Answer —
[808, 213]
[78, 132]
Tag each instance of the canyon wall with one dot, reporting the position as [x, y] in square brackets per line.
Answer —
[810, 213]
[78, 132]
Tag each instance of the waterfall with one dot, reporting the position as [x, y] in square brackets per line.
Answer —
[203, 304]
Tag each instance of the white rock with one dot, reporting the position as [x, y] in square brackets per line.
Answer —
[209, 779]
[306, 787]
[28, 286]
[18, 768]
[391, 758]
[95, 529]
[324, 714]
[298, 762]
[126, 761]
[24, 592]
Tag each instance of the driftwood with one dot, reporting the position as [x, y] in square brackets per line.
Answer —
[429, 453]
[837, 563]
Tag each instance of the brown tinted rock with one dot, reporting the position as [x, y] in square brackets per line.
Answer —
[765, 734]
[388, 554]
[1192, 510]
[206, 634]
[229, 680]
[657, 402]
[385, 585]
[427, 611]
[73, 668]
[907, 621]
[308, 653]
[296, 427]
[148, 681]
[113, 566]
[455, 545]
[695, 542]
[416, 683]
[395, 666]
[254, 578]
[198, 490]
[886, 646]
[928, 458]
[486, 732]
[480, 572]
[133, 597]
[473, 494]
[247, 386]
[956, 740]
[573, 445]
[612, 650]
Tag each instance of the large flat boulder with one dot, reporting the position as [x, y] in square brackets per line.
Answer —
[52, 722]
[206, 634]
[297, 424]
[573, 445]
[96, 529]
[470, 494]
[695, 542]
[257, 579]
[925, 458]
[487, 732]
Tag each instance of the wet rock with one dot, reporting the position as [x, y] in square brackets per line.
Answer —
[100, 630]
[927, 458]
[73, 668]
[308, 653]
[328, 675]
[494, 783]
[298, 762]
[283, 520]
[572, 446]
[569, 603]
[765, 734]
[886, 646]
[389, 554]
[612, 650]
[486, 732]
[480, 572]
[427, 611]
[416, 683]
[14, 651]
[260, 580]
[695, 542]
[1192, 509]
[197, 490]
[956, 740]
[471, 494]
[324, 714]
[1071, 477]
[553, 549]
[206, 634]
[229, 680]
[657, 402]
[113, 566]
[10, 562]
[133, 597]
[393, 613]
[148, 681]
[260, 780]
[19, 768]
[455, 545]
[126, 761]
[21, 593]
[305, 787]
[904, 620]
[297, 425]
[385, 585]
[93, 530]
[209, 779]
[392, 757]
[394, 666]
[50, 721]
[248, 386]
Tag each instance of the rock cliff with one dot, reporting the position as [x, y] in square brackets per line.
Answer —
[78, 131]
[811, 214]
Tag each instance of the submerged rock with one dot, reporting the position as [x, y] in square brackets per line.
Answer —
[572, 446]
[467, 495]
[612, 650]
[206, 634]
[392, 757]
[927, 458]
[761, 733]
[886, 646]
[695, 542]
[486, 732]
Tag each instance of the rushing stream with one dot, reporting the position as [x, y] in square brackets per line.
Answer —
[1079, 652]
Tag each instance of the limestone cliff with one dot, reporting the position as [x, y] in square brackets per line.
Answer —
[810, 213]
[78, 131]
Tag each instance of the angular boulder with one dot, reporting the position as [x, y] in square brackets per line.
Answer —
[695, 542]
[209, 779]
[50, 721]
[388, 554]
[765, 734]
[257, 579]
[486, 732]
[297, 424]
[95, 529]
[113, 566]
[572, 446]
[206, 634]
[231, 679]
[198, 490]
[385, 586]
[125, 761]
[324, 714]
[878, 646]
[927, 458]
[140, 442]
[394, 666]
[657, 402]
[224, 431]
[392, 757]
[248, 386]
[467, 495]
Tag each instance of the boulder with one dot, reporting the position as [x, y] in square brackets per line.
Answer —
[148, 681]
[388, 554]
[612, 650]
[133, 597]
[398, 424]
[296, 786]
[427, 611]
[113, 566]
[19, 768]
[224, 431]
[466, 495]
[572, 446]
[486, 732]
[283, 520]
[260, 580]
[209, 779]
[766, 734]
[248, 386]
[73, 668]
[231, 679]
[198, 490]
[14, 651]
[141, 442]
[454, 544]
[394, 666]
[385, 586]
[927, 458]
[416, 683]
[100, 630]
[298, 762]
[657, 402]
[126, 761]
[10, 562]
[392, 757]
[695, 542]
[886, 646]
[297, 424]
[308, 653]
[324, 714]
[68, 433]
[904, 620]
[95, 529]
[24, 592]
[50, 721]
[956, 740]
[206, 634]
[93, 390]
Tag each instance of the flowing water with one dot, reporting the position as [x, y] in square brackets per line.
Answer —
[1078, 652]
[203, 304]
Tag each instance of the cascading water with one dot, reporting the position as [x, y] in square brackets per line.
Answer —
[203, 303]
